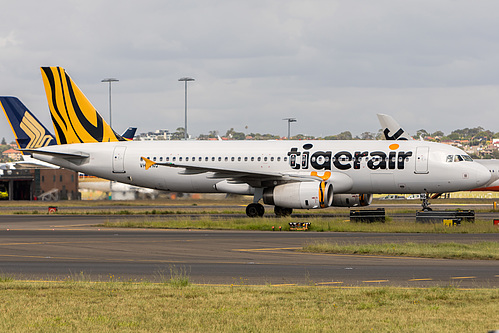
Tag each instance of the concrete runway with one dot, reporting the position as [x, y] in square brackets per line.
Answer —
[58, 247]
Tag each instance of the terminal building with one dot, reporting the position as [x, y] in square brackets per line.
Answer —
[38, 184]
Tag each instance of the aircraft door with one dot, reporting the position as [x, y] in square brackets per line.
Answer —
[119, 159]
[422, 159]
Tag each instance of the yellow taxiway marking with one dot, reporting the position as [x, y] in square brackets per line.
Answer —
[87, 258]
[462, 277]
[375, 281]
[326, 283]
[426, 279]
[90, 242]
[283, 284]
[329, 254]
[269, 249]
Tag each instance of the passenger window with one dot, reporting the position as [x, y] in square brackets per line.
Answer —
[154, 158]
[259, 158]
[265, 158]
[174, 158]
[167, 158]
[239, 159]
[226, 159]
[232, 158]
[272, 159]
[252, 158]
[180, 159]
[161, 158]
[285, 158]
[219, 159]
[206, 159]
[278, 158]
[246, 159]
[187, 159]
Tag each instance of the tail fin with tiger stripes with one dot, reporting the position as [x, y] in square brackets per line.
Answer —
[74, 117]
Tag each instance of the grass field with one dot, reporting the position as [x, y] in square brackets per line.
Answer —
[479, 250]
[145, 307]
[317, 224]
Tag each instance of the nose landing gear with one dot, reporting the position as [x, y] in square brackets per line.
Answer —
[425, 202]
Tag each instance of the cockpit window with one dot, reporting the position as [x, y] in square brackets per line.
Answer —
[458, 158]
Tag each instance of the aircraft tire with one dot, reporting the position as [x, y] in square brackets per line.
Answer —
[255, 210]
[282, 212]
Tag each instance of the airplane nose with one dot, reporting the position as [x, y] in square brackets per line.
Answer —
[482, 175]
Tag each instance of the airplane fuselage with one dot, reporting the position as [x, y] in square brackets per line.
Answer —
[352, 166]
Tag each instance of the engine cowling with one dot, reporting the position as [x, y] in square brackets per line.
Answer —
[306, 195]
[352, 200]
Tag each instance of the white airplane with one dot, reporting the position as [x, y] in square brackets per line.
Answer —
[285, 174]
[393, 131]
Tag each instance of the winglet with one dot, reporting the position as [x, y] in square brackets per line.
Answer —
[149, 163]
[391, 129]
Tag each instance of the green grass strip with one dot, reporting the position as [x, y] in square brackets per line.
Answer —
[146, 307]
[317, 224]
[479, 250]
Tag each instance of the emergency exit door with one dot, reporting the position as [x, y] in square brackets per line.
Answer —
[422, 159]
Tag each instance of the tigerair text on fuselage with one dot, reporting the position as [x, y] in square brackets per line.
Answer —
[345, 160]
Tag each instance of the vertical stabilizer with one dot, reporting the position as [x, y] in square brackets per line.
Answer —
[74, 117]
[28, 130]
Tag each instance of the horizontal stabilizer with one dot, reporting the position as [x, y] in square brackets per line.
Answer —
[76, 155]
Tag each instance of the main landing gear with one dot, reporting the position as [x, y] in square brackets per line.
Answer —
[255, 210]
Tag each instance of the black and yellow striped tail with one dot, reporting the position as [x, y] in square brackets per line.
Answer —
[74, 117]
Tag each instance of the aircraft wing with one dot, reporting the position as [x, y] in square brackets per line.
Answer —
[340, 181]
[223, 172]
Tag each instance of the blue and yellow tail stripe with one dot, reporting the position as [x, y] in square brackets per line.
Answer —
[74, 117]
[28, 130]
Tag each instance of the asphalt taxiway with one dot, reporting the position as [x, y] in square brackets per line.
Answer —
[67, 246]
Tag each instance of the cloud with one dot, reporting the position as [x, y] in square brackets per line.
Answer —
[330, 64]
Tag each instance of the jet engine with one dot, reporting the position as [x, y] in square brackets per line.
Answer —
[313, 194]
[352, 200]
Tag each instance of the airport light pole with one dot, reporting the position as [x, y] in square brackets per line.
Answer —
[110, 80]
[290, 120]
[185, 79]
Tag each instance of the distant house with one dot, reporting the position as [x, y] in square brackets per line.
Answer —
[12, 154]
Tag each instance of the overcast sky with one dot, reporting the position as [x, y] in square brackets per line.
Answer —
[333, 65]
